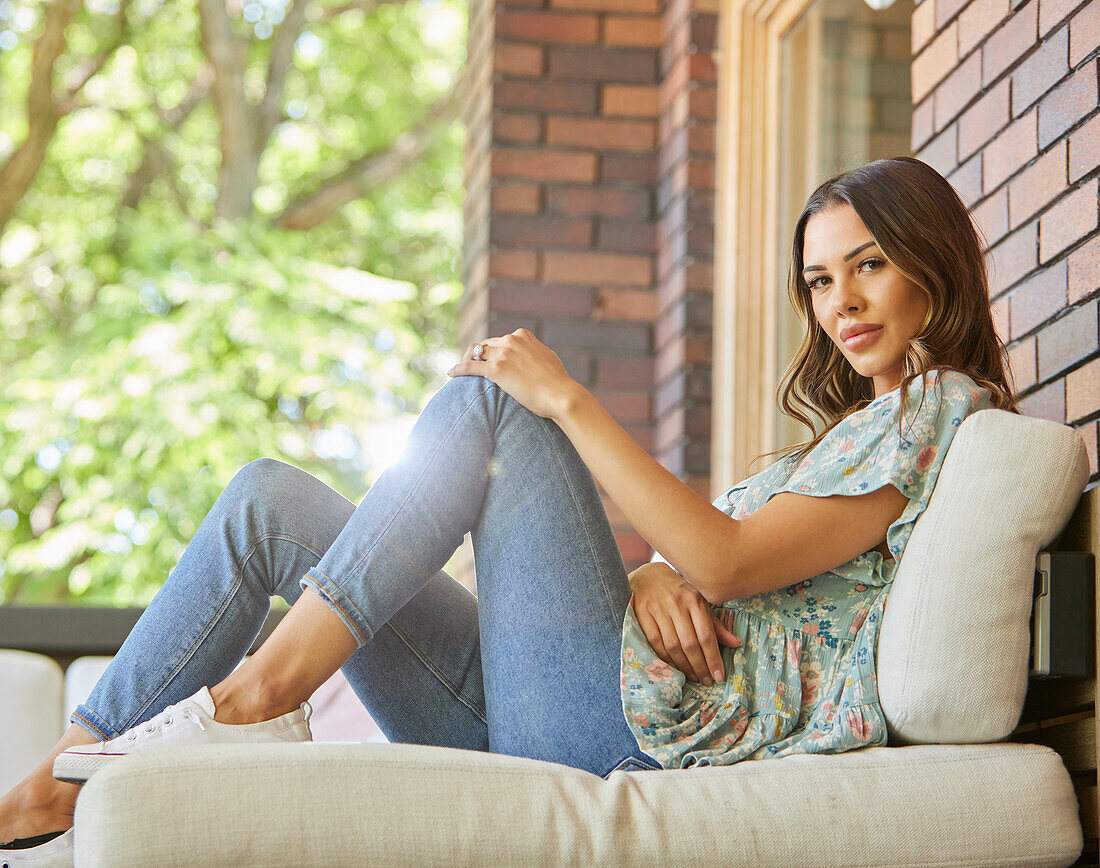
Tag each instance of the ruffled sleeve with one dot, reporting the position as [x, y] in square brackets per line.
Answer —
[866, 451]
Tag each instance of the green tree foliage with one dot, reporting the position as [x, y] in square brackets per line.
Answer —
[229, 230]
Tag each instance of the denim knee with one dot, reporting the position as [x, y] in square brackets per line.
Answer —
[259, 500]
[256, 476]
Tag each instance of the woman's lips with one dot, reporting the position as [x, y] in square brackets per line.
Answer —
[857, 342]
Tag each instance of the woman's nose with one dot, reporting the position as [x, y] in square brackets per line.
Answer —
[846, 300]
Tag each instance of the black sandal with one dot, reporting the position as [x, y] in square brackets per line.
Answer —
[33, 841]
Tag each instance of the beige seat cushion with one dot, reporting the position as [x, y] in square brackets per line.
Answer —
[386, 805]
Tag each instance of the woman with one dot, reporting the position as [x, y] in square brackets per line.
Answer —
[754, 637]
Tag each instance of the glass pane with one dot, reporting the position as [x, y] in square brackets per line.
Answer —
[844, 100]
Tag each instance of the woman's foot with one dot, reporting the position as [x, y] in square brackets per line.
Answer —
[185, 723]
[40, 804]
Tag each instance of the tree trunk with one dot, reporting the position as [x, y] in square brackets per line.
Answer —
[237, 121]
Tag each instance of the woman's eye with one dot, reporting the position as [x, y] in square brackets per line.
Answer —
[874, 263]
[813, 284]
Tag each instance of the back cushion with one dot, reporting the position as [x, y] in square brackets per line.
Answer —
[953, 652]
[30, 690]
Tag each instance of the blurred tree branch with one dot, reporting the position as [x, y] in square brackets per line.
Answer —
[239, 159]
[84, 71]
[370, 170]
[282, 54]
[43, 112]
[198, 90]
[156, 161]
[45, 107]
[244, 128]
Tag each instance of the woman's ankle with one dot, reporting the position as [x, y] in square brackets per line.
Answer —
[305, 649]
[237, 702]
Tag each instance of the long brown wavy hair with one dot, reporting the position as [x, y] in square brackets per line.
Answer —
[923, 228]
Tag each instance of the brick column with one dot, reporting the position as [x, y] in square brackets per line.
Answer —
[685, 258]
[561, 177]
[1005, 96]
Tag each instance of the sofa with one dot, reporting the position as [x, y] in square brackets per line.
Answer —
[948, 789]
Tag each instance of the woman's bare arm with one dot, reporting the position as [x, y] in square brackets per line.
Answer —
[790, 538]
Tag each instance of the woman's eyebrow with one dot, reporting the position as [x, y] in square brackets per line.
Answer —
[847, 256]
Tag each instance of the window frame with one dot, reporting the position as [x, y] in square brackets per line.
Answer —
[747, 266]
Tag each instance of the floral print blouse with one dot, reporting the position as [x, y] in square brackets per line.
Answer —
[803, 680]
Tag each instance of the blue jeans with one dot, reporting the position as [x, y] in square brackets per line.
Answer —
[530, 667]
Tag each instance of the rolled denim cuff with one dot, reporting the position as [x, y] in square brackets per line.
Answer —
[98, 727]
[340, 603]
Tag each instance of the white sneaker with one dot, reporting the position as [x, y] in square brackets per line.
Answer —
[55, 853]
[188, 722]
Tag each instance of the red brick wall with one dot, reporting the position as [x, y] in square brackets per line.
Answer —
[685, 231]
[590, 206]
[562, 179]
[1005, 104]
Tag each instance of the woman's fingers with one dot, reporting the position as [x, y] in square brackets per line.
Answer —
[653, 635]
[472, 364]
[680, 625]
[690, 646]
[669, 641]
[683, 645]
[724, 635]
[703, 622]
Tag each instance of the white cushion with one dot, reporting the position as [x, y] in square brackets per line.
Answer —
[80, 678]
[385, 805]
[953, 652]
[30, 688]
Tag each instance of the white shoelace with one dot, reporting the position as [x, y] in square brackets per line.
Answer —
[162, 720]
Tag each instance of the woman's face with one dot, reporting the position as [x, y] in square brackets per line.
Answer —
[855, 289]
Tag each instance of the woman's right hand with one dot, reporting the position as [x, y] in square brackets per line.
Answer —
[678, 622]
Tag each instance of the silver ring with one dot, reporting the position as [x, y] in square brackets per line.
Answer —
[479, 351]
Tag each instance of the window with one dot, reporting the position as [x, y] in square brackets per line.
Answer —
[807, 88]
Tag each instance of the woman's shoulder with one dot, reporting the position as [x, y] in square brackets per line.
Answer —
[936, 392]
[935, 406]
[946, 381]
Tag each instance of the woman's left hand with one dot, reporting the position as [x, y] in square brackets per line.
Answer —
[525, 368]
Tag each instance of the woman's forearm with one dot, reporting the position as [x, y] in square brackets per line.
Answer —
[695, 537]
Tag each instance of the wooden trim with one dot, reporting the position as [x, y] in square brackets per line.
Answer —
[769, 159]
[746, 265]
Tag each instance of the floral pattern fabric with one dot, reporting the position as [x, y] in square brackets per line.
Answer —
[803, 680]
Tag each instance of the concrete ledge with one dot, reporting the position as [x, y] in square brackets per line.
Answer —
[71, 631]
